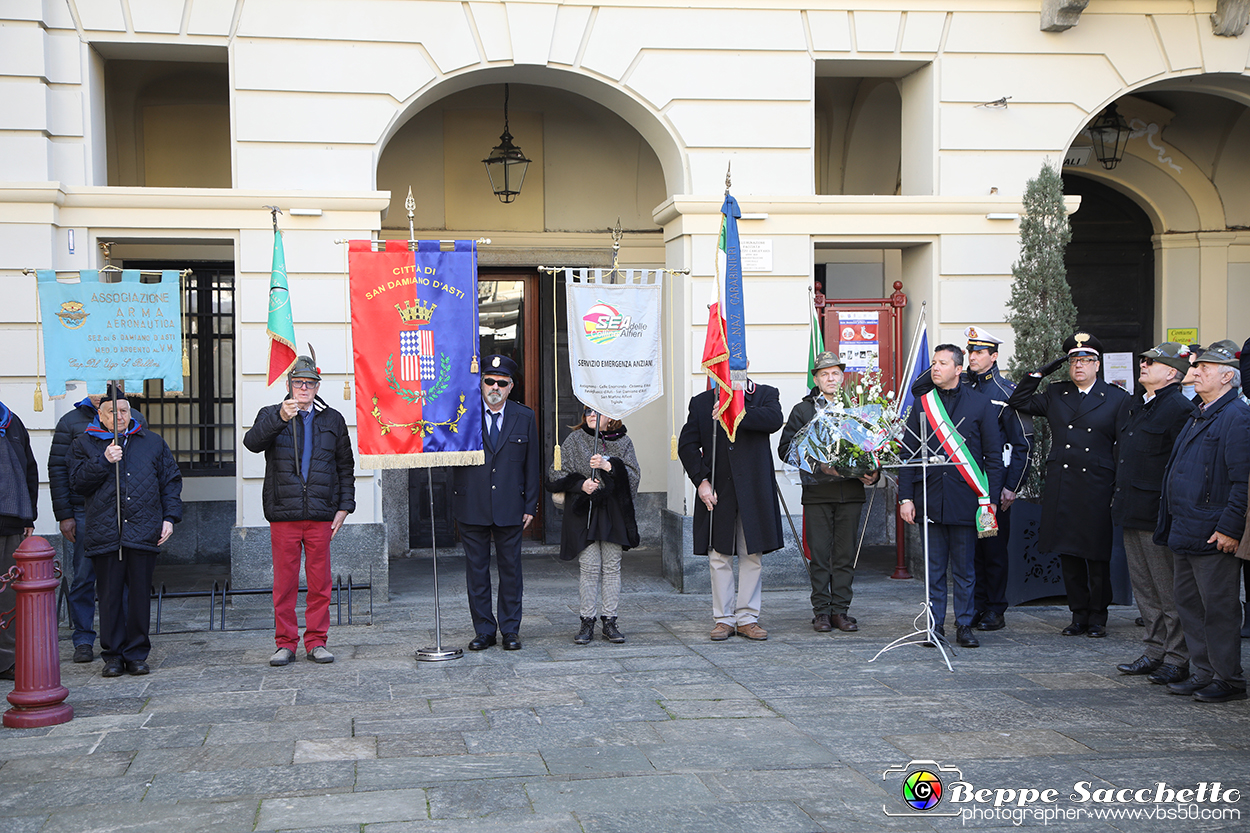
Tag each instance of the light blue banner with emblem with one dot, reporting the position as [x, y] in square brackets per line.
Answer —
[97, 331]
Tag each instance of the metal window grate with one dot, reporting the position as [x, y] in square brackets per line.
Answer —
[198, 424]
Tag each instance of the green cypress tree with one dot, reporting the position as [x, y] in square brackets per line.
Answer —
[1041, 311]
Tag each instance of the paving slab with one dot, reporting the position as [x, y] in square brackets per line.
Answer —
[668, 732]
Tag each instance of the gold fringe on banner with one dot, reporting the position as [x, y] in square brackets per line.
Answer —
[424, 460]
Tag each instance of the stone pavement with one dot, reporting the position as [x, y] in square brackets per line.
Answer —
[667, 732]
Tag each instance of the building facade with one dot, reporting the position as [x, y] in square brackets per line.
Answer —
[888, 141]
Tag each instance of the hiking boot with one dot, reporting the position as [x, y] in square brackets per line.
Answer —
[610, 632]
[587, 632]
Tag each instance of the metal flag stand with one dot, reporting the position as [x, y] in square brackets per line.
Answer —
[931, 637]
[437, 653]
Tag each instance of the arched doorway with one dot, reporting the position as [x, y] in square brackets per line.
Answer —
[1110, 264]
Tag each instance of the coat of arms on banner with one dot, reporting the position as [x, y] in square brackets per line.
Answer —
[414, 336]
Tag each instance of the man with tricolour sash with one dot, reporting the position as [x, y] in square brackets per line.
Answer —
[958, 497]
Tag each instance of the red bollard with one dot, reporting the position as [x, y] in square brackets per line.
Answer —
[38, 696]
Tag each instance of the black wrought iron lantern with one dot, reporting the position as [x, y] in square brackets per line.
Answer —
[1109, 133]
[506, 164]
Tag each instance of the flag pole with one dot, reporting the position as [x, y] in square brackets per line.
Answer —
[437, 653]
[117, 473]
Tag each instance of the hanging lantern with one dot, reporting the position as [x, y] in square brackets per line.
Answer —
[1109, 133]
[506, 165]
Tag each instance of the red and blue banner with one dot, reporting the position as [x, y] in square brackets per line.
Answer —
[415, 342]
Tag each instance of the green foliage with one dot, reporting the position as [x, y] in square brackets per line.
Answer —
[1041, 311]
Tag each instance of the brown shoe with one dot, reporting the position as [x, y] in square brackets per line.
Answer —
[751, 630]
[844, 623]
[721, 632]
[821, 623]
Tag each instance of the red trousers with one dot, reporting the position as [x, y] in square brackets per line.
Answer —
[286, 538]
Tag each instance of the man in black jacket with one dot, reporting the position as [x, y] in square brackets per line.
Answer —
[1202, 518]
[116, 449]
[1146, 428]
[310, 489]
[961, 426]
[983, 376]
[831, 507]
[1080, 476]
[19, 504]
[741, 500]
[69, 508]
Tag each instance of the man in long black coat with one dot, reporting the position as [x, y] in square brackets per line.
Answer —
[498, 500]
[747, 518]
[1080, 476]
[1146, 429]
[19, 506]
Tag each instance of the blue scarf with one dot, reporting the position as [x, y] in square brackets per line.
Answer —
[6, 417]
[97, 430]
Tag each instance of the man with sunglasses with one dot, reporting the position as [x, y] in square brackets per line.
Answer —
[497, 501]
[310, 489]
[1146, 429]
[1080, 476]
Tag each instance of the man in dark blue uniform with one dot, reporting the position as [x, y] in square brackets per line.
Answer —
[498, 500]
[983, 376]
[1080, 476]
[959, 425]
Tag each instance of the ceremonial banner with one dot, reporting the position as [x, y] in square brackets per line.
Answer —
[614, 345]
[414, 337]
[96, 332]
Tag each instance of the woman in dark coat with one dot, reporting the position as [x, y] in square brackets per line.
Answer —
[598, 481]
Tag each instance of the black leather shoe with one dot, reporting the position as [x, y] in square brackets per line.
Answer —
[83, 653]
[112, 668]
[1169, 674]
[1139, 666]
[1075, 629]
[482, 641]
[137, 669]
[511, 642]
[1139, 622]
[1220, 691]
[977, 617]
[966, 638]
[1096, 631]
[1189, 685]
[991, 621]
[821, 623]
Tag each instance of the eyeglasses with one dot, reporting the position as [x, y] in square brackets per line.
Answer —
[496, 383]
[303, 384]
[1083, 360]
[590, 412]
[1146, 360]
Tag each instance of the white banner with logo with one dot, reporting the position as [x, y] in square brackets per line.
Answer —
[614, 344]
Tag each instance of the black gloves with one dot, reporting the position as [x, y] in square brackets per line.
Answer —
[1050, 368]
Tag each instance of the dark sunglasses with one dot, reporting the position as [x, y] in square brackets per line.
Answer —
[1146, 360]
[496, 383]
[590, 412]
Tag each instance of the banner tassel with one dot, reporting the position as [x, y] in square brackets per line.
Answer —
[347, 390]
[38, 398]
[672, 447]
[556, 462]
[186, 361]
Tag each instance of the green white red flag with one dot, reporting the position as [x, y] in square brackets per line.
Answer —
[281, 327]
